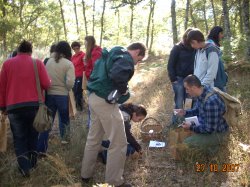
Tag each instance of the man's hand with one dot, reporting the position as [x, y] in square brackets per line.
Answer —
[125, 92]
[179, 112]
[186, 125]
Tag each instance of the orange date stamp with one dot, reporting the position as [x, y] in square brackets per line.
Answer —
[199, 167]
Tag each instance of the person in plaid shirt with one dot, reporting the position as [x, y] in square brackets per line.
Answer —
[209, 109]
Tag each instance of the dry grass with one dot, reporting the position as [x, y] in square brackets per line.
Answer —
[156, 167]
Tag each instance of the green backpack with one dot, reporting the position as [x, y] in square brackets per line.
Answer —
[99, 81]
[232, 104]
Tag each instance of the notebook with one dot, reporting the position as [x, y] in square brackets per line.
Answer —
[193, 119]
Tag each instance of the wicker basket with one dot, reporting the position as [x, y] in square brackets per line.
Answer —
[151, 129]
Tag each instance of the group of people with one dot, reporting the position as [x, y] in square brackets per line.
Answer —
[107, 72]
[195, 66]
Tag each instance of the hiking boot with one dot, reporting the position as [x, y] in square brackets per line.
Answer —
[124, 185]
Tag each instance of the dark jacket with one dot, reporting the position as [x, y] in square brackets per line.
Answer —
[112, 72]
[130, 138]
[181, 62]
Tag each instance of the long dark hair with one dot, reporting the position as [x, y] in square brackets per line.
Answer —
[214, 34]
[130, 108]
[91, 43]
[62, 50]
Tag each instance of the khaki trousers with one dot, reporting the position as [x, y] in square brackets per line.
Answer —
[105, 119]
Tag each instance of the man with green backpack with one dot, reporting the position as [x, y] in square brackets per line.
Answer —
[108, 86]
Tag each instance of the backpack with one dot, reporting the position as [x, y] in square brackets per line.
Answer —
[99, 81]
[221, 77]
[232, 105]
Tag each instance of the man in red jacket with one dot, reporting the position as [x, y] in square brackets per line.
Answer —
[19, 98]
[77, 60]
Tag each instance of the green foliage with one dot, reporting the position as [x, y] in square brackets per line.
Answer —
[41, 22]
[35, 20]
[227, 56]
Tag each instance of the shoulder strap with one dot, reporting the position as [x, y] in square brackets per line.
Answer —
[111, 55]
[38, 87]
[211, 48]
[208, 95]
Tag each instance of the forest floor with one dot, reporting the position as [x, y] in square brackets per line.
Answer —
[156, 168]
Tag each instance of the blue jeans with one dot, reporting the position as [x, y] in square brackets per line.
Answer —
[105, 143]
[180, 96]
[25, 138]
[56, 103]
[77, 89]
[179, 93]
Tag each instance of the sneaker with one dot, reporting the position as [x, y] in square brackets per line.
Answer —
[64, 142]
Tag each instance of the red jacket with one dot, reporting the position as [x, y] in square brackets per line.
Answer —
[18, 83]
[89, 65]
[77, 60]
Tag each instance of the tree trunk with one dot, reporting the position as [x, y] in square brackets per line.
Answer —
[234, 22]
[102, 21]
[227, 32]
[4, 33]
[84, 17]
[204, 14]
[22, 3]
[221, 19]
[226, 19]
[63, 20]
[241, 16]
[245, 7]
[192, 16]
[214, 14]
[118, 26]
[174, 28]
[186, 14]
[149, 21]
[131, 21]
[77, 26]
[153, 27]
[93, 19]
